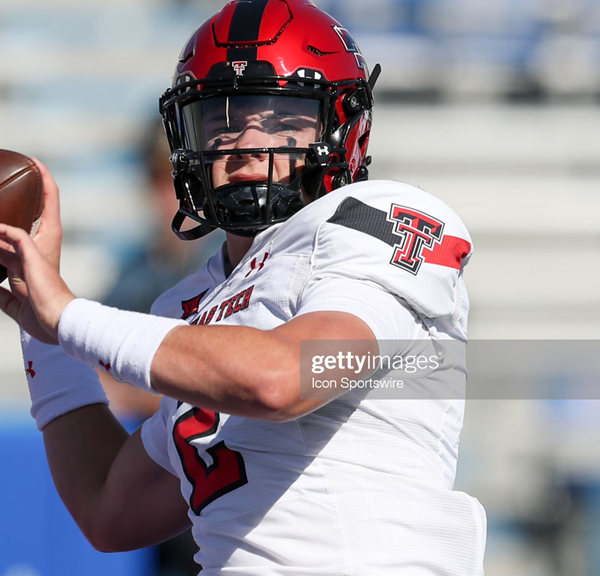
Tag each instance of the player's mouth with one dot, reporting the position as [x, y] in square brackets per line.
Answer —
[255, 177]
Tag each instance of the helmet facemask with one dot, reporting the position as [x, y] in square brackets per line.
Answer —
[297, 134]
[242, 157]
[283, 50]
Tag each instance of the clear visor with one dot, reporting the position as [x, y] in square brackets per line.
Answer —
[250, 122]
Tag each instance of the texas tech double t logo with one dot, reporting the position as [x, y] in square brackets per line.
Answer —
[417, 231]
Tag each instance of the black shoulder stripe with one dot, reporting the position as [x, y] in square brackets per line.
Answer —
[353, 213]
[245, 27]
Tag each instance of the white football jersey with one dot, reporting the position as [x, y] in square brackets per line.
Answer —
[363, 485]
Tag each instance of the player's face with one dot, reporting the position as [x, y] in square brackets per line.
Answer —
[243, 122]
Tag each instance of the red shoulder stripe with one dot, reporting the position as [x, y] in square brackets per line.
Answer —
[449, 252]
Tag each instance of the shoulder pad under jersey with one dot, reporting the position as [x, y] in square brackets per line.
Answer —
[394, 235]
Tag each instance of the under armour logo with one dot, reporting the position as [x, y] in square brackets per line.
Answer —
[106, 365]
[319, 154]
[239, 66]
[256, 265]
[30, 371]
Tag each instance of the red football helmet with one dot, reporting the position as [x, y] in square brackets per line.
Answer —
[258, 53]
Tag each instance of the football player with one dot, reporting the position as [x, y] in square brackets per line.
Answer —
[273, 438]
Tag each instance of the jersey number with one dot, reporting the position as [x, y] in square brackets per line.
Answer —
[226, 473]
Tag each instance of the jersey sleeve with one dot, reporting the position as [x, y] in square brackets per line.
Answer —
[399, 239]
[155, 436]
[387, 317]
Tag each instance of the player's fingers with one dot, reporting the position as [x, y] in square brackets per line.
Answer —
[8, 257]
[9, 304]
[49, 234]
[18, 287]
[51, 196]
[46, 290]
[6, 247]
[13, 237]
[18, 247]
[8, 260]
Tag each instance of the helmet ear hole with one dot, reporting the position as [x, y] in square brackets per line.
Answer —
[352, 104]
[356, 102]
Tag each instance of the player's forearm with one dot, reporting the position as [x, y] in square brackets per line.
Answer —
[233, 369]
[81, 446]
[120, 499]
[251, 372]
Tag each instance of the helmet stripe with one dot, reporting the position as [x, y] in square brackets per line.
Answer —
[245, 28]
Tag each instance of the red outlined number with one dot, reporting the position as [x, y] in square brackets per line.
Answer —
[226, 473]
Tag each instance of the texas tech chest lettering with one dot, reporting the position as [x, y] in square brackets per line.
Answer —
[215, 313]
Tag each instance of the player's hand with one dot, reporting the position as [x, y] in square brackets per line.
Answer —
[49, 234]
[40, 294]
[37, 294]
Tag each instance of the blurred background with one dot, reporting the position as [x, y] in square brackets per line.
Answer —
[492, 105]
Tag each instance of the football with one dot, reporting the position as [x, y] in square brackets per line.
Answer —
[21, 195]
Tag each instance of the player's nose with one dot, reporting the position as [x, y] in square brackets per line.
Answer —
[255, 137]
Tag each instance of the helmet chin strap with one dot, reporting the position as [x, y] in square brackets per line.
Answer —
[194, 233]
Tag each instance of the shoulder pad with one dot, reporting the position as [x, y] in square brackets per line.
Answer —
[399, 237]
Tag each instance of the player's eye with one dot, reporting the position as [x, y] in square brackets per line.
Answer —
[222, 131]
[287, 124]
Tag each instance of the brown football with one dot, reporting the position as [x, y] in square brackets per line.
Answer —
[21, 197]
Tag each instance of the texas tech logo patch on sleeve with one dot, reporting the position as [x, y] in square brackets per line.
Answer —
[416, 231]
[415, 236]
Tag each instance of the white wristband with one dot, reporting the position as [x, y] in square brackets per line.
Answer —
[57, 383]
[121, 343]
